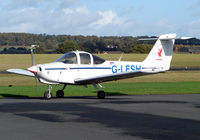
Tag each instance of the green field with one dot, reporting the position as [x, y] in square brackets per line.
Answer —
[110, 88]
[180, 82]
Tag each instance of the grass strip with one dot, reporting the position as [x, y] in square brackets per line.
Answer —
[110, 89]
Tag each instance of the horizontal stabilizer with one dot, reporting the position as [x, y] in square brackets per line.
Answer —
[21, 72]
[146, 39]
[165, 38]
[185, 38]
[181, 38]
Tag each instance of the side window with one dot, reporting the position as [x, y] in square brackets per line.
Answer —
[97, 60]
[85, 58]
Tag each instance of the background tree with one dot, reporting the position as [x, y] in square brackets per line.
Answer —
[41, 48]
[89, 46]
[101, 46]
[142, 48]
[67, 46]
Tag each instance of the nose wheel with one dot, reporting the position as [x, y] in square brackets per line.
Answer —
[59, 93]
[48, 94]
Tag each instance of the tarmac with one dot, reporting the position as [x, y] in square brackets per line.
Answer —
[136, 117]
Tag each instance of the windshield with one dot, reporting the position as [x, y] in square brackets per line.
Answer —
[68, 58]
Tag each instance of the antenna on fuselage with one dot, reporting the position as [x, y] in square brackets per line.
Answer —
[32, 54]
[120, 57]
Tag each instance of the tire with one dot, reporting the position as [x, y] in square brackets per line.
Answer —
[60, 94]
[101, 94]
[47, 95]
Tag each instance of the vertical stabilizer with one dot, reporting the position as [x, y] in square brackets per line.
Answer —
[161, 53]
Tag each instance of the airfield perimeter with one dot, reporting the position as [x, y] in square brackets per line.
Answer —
[128, 117]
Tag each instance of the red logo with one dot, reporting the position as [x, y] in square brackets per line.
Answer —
[160, 52]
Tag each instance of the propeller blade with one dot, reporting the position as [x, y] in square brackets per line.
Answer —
[32, 54]
[36, 84]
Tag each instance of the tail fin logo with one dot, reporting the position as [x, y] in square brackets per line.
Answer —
[160, 52]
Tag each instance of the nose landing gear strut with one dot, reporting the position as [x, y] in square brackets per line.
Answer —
[48, 94]
[59, 93]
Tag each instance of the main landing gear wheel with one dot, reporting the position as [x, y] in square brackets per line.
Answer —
[101, 94]
[60, 94]
[47, 95]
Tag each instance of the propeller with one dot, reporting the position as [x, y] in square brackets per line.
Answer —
[32, 54]
[34, 68]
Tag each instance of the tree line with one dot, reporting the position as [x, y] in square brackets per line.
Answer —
[93, 44]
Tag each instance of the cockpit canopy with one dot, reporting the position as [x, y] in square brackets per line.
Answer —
[80, 58]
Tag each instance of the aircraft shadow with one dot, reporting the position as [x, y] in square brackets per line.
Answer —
[114, 93]
[12, 95]
[8, 95]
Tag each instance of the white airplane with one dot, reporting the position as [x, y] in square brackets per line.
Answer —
[83, 68]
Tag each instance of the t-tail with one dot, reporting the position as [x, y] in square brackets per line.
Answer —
[160, 57]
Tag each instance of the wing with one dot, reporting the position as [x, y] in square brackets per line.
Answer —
[21, 72]
[111, 77]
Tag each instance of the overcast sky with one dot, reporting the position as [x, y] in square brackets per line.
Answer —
[101, 17]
